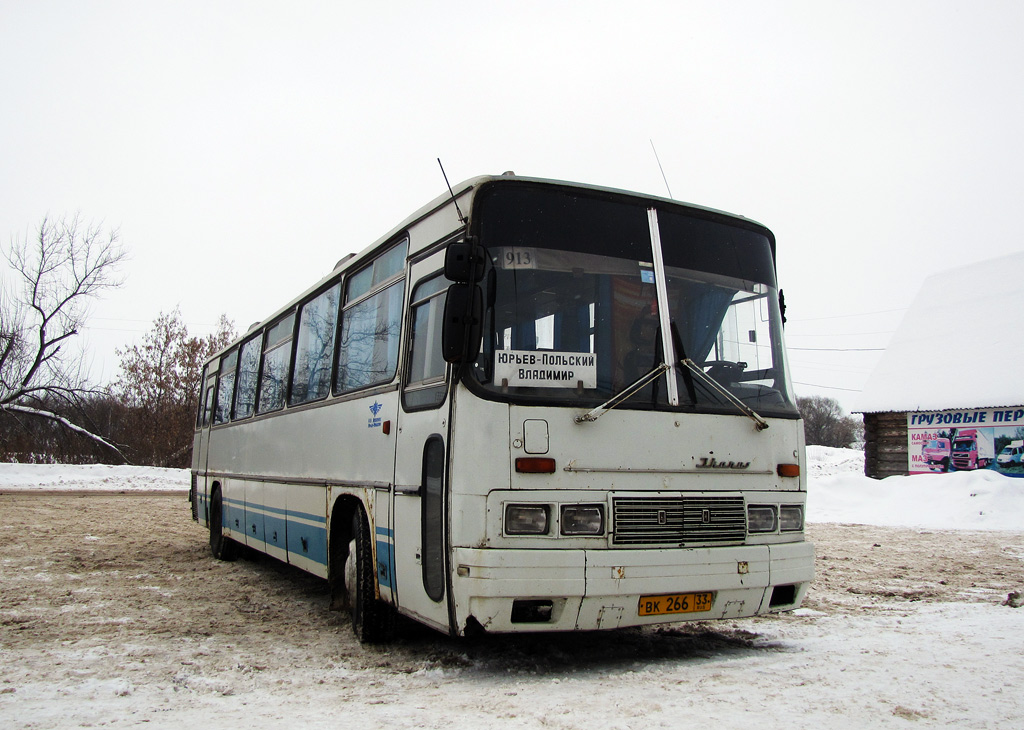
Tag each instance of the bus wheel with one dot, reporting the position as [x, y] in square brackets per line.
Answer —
[372, 620]
[222, 547]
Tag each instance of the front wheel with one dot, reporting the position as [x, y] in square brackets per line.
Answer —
[222, 546]
[373, 621]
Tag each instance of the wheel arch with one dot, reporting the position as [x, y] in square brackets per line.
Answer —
[339, 534]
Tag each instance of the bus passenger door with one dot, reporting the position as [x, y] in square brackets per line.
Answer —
[419, 506]
[201, 450]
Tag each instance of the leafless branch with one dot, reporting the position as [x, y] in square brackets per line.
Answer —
[17, 408]
[44, 302]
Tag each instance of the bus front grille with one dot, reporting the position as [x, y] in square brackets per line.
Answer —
[678, 520]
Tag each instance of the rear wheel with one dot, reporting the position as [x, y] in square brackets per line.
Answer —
[372, 620]
[222, 546]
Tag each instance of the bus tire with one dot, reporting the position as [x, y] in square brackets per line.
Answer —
[222, 546]
[373, 621]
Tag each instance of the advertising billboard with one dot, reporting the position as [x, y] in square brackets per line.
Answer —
[983, 438]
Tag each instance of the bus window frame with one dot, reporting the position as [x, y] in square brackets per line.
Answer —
[208, 400]
[221, 373]
[435, 383]
[346, 305]
[281, 343]
[255, 337]
[341, 282]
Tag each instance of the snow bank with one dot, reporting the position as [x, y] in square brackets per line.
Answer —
[101, 477]
[981, 500]
[825, 461]
[838, 491]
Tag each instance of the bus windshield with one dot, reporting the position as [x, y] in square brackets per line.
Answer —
[572, 313]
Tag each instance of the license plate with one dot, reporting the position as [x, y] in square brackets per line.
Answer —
[675, 603]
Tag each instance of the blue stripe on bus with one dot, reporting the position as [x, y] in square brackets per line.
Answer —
[307, 542]
[292, 513]
[241, 504]
[386, 532]
[274, 531]
[385, 564]
[279, 527]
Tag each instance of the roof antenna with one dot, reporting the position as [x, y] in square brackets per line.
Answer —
[462, 218]
[660, 168]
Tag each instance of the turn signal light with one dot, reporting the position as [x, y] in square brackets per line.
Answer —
[535, 465]
[788, 470]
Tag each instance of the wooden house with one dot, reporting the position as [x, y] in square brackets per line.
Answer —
[951, 380]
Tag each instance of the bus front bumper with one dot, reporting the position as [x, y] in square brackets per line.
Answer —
[564, 590]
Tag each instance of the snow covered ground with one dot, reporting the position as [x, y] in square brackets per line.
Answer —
[908, 624]
[964, 500]
[92, 477]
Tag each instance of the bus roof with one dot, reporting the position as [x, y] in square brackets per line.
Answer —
[459, 191]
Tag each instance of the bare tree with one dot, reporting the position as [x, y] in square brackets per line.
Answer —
[44, 303]
[825, 423]
[159, 386]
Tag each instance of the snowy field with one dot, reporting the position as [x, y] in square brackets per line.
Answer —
[964, 500]
[112, 614]
[92, 477]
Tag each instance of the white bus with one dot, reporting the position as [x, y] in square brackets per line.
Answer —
[532, 406]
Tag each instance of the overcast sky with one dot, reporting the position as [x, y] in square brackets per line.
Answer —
[242, 148]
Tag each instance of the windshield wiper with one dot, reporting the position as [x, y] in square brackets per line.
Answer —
[625, 393]
[746, 410]
[692, 367]
[594, 414]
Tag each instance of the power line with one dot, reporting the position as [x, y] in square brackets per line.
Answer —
[846, 316]
[838, 349]
[824, 368]
[149, 321]
[838, 334]
[827, 387]
[111, 329]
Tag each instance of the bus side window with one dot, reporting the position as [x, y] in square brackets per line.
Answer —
[425, 385]
[208, 380]
[314, 349]
[371, 323]
[208, 402]
[199, 410]
[225, 388]
[277, 355]
[248, 371]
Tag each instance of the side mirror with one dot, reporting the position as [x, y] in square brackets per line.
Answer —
[463, 321]
[464, 262]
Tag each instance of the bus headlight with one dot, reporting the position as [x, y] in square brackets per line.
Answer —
[582, 519]
[791, 517]
[526, 519]
[761, 518]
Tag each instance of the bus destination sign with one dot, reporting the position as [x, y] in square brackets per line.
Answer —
[544, 369]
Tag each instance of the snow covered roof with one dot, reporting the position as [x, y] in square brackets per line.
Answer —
[960, 344]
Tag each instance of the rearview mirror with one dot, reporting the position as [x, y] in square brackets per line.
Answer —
[464, 262]
[463, 320]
